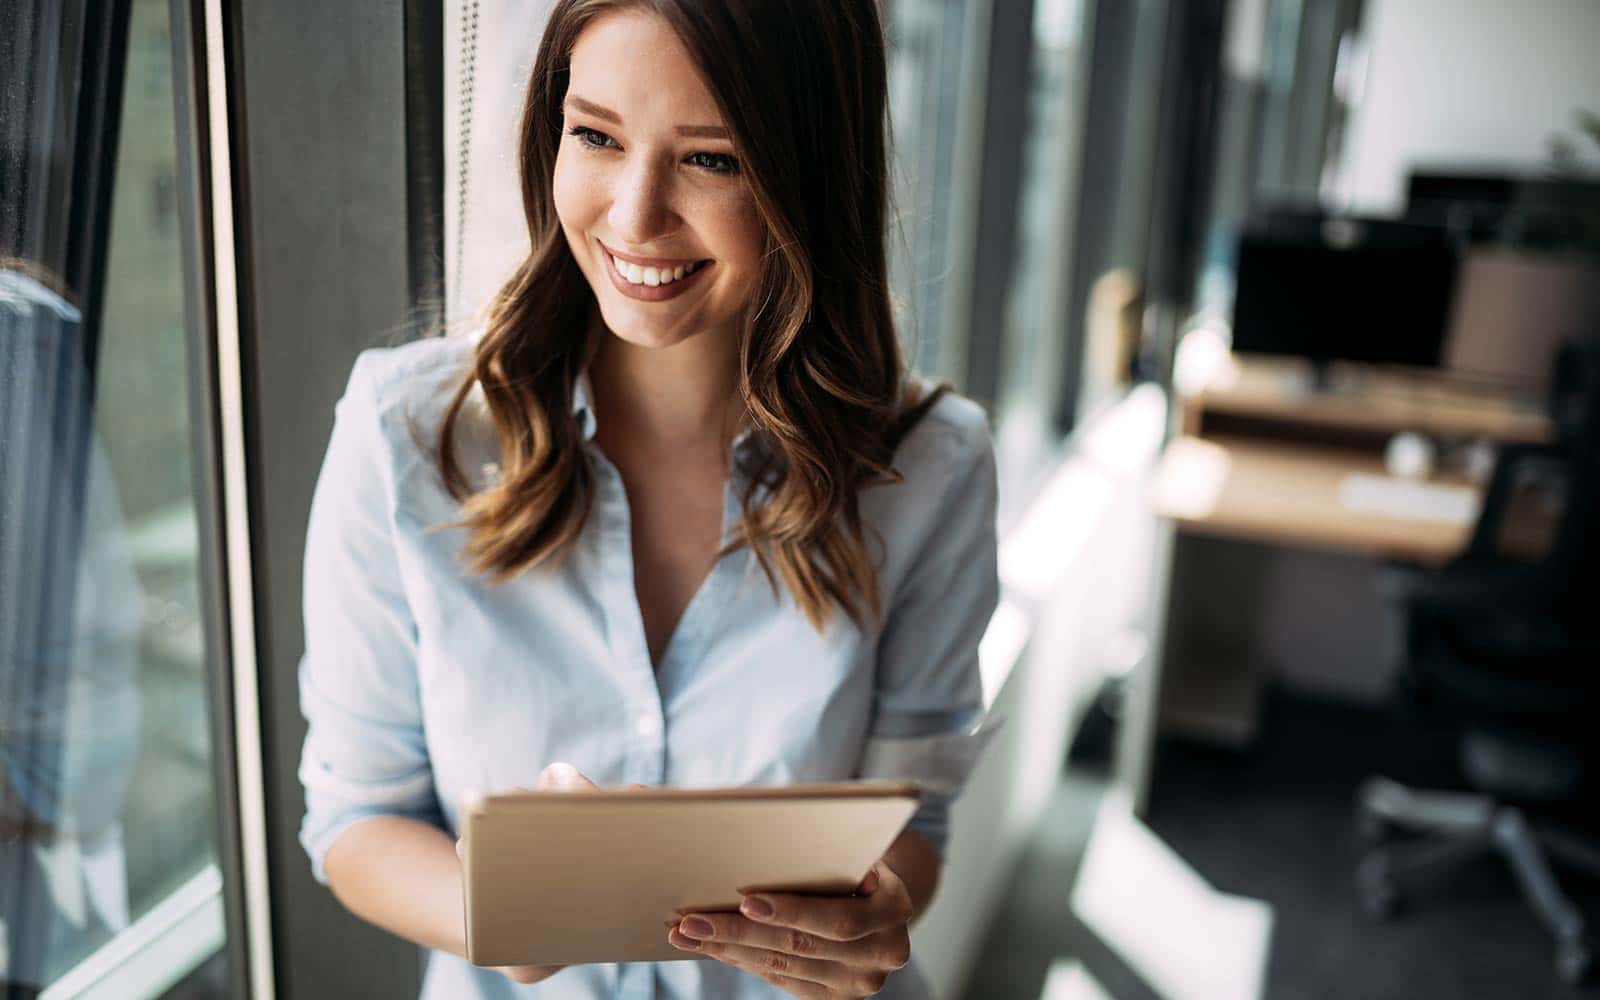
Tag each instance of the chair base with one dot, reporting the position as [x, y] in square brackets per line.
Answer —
[1457, 829]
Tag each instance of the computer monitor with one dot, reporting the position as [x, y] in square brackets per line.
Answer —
[1359, 290]
[1436, 192]
[1526, 209]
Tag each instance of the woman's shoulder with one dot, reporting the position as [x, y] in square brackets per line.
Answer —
[410, 375]
[945, 489]
[952, 435]
[948, 446]
[402, 393]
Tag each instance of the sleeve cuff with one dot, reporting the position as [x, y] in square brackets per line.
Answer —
[939, 763]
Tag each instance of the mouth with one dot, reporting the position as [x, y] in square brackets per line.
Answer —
[651, 283]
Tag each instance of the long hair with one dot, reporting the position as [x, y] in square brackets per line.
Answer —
[801, 85]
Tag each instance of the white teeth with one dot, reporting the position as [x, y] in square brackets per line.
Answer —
[652, 277]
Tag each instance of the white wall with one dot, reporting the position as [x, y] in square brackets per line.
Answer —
[1463, 82]
[494, 237]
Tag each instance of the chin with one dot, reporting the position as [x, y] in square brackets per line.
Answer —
[642, 334]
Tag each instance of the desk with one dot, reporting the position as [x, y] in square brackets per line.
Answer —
[1282, 493]
[1260, 458]
[1371, 403]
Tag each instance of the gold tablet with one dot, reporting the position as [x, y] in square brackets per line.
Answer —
[564, 877]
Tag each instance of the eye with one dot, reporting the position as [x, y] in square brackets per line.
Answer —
[716, 163]
[592, 138]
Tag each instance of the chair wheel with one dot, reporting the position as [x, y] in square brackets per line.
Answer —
[1378, 894]
[1574, 962]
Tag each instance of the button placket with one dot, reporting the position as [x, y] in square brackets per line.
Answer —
[626, 636]
[646, 754]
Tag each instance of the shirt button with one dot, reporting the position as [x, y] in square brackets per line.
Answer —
[645, 726]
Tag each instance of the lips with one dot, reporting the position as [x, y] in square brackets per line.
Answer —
[651, 279]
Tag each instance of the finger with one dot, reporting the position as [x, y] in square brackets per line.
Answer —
[885, 951]
[837, 918]
[799, 987]
[525, 974]
[731, 928]
[816, 972]
[869, 882]
[563, 777]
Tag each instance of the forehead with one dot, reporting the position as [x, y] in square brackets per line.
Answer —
[632, 62]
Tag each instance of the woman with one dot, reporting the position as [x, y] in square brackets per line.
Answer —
[688, 521]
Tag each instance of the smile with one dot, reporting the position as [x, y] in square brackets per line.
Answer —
[651, 283]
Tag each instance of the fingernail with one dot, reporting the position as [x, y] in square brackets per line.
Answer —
[755, 906]
[697, 927]
[870, 883]
[676, 938]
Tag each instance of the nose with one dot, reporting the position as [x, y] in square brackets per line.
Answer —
[641, 210]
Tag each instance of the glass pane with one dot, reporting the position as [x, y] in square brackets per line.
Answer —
[1034, 326]
[926, 38]
[106, 797]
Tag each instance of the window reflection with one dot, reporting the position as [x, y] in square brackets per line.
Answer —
[105, 781]
[926, 39]
[1035, 315]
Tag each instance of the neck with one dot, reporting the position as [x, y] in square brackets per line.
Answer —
[686, 394]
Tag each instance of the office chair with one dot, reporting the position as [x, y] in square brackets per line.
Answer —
[1508, 652]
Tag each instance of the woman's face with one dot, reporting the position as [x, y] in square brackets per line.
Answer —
[649, 195]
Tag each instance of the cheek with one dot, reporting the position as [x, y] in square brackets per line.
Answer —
[574, 193]
[741, 234]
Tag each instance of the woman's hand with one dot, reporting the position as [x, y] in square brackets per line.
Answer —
[555, 778]
[811, 946]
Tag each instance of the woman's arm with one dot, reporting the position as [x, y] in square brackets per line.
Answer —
[402, 875]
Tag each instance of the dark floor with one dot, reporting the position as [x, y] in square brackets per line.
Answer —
[1275, 824]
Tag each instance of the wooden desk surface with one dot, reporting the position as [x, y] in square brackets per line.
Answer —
[1264, 458]
[1377, 402]
[1273, 491]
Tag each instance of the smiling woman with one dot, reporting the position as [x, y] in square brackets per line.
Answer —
[641, 197]
[692, 386]
[704, 156]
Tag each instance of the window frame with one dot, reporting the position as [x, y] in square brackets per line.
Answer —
[204, 916]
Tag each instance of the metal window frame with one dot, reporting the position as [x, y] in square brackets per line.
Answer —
[208, 913]
[988, 255]
[962, 203]
[1154, 72]
[235, 694]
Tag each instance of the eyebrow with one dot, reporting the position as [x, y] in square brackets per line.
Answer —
[692, 131]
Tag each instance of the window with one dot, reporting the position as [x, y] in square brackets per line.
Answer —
[107, 803]
[930, 48]
[1036, 317]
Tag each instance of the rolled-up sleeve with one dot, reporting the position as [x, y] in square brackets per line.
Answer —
[928, 718]
[364, 753]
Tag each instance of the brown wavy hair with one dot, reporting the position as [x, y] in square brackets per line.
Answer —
[801, 86]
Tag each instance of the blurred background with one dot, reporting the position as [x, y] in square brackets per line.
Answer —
[1284, 311]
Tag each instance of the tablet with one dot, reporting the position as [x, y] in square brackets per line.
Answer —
[560, 878]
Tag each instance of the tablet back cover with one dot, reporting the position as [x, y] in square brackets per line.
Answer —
[568, 877]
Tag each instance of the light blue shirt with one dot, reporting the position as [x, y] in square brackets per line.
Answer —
[421, 682]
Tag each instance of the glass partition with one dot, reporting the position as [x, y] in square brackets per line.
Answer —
[107, 801]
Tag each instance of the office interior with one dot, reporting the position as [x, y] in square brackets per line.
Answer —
[1284, 313]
